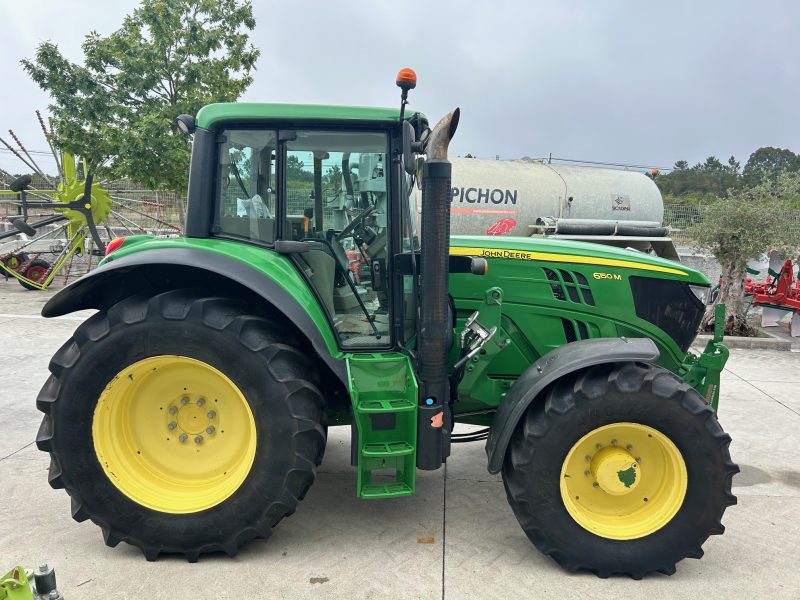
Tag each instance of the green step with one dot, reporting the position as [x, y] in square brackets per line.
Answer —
[383, 393]
[386, 490]
[387, 449]
[384, 406]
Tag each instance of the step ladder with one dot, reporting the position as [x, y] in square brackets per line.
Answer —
[383, 392]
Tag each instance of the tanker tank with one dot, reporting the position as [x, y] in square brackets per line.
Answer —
[525, 197]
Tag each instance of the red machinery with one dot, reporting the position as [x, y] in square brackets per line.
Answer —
[778, 294]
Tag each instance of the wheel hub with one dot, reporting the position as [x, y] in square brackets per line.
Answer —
[191, 417]
[615, 470]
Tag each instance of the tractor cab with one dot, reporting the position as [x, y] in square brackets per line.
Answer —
[331, 197]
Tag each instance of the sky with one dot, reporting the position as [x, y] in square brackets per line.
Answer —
[622, 82]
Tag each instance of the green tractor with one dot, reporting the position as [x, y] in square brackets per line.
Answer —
[190, 413]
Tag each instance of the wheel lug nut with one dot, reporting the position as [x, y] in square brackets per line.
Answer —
[588, 458]
[587, 472]
[595, 485]
[629, 447]
[173, 410]
[211, 414]
[638, 459]
[598, 446]
[183, 437]
[185, 400]
[210, 430]
[198, 439]
[613, 442]
[201, 401]
[172, 425]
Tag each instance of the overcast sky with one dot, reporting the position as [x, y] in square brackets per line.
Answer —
[629, 82]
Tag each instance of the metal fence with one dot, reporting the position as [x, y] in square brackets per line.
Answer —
[681, 218]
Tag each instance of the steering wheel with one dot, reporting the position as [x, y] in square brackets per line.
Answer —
[347, 231]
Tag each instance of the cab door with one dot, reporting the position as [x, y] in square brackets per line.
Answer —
[336, 199]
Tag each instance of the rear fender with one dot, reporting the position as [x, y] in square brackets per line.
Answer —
[554, 365]
[159, 270]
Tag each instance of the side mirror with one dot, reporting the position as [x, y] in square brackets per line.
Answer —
[185, 124]
[410, 147]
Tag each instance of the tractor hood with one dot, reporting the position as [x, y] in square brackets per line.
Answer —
[607, 259]
[578, 290]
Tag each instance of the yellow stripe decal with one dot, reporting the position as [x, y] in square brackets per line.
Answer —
[564, 258]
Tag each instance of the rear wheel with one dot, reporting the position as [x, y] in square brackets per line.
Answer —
[181, 424]
[622, 470]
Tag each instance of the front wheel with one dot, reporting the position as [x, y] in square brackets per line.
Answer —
[181, 423]
[623, 469]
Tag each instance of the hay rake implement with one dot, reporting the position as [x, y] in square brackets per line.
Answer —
[76, 214]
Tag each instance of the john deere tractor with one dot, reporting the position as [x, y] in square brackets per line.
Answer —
[190, 413]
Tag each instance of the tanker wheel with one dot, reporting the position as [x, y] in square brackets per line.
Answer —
[623, 469]
[36, 271]
[181, 424]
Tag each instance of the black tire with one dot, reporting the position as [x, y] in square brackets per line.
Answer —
[256, 354]
[23, 227]
[38, 266]
[618, 393]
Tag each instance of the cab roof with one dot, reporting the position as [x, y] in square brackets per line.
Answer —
[257, 111]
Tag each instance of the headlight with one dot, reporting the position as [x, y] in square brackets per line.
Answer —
[701, 291]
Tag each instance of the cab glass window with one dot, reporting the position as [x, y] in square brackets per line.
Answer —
[246, 193]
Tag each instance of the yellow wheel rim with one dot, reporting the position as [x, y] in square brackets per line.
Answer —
[623, 481]
[174, 434]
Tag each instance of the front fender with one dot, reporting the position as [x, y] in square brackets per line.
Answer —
[159, 269]
[562, 361]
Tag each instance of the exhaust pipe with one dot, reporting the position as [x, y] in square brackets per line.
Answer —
[435, 419]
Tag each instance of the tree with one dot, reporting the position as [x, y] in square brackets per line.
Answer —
[169, 57]
[743, 225]
[296, 171]
[332, 177]
[768, 163]
[702, 182]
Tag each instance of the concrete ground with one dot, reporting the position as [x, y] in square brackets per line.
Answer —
[456, 538]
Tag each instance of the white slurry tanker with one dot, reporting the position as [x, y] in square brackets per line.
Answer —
[525, 198]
